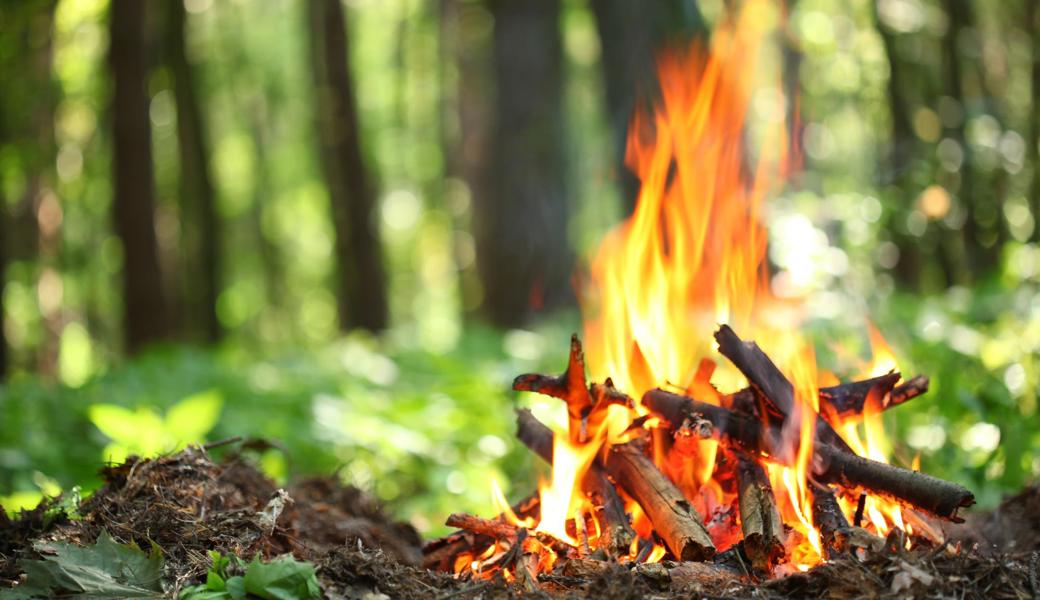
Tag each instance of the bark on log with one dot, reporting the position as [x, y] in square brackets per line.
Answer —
[759, 517]
[923, 491]
[848, 399]
[569, 386]
[616, 530]
[829, 520]
[440, 554]
[674, 519]
[830, 464]
[493, 528]
[771, 385]
[907, 391]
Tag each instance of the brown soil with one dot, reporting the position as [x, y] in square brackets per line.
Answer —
[187, 504]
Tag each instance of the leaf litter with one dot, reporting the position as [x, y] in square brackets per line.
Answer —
[194, 510]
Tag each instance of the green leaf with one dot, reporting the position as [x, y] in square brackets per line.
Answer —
[284, 578]
[236, 587]
[116, 422]
[105, 570]
[193, 417]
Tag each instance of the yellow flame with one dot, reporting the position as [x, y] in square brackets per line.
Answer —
[692, 254]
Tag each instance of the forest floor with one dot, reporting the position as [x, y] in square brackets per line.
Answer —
[188, 506]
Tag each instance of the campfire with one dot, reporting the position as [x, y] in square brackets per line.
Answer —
[693, 444]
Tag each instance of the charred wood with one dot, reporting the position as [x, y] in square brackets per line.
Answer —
[617, 531]
[569, 387]
[849, 399]
[772, 386]
[673, 517]
[830, 464]
[829, 520]
[492, 528]
[759, 517]
[923, 491]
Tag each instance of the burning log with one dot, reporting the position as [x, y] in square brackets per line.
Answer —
[829, 520]
[759, 517]
[772, 386]
[674, 519]
[569, 387]
[440, 554]
[923, 491]
[493, 528]
[616, 530]
[830, 464]
[848, 399]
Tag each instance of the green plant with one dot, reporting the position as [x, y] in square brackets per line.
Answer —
[283, 578]
[144, 433]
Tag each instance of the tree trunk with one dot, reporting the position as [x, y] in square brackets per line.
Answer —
[359, 264]
[630, 33]
[145, 316]
[200, 224]
[1033, 139]
[902, 146]
[4, 366]
[524, 257]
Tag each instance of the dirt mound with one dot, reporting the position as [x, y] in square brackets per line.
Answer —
[188, 504]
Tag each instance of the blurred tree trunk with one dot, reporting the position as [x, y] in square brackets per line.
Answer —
[201, 233]
[465, 123]
[630, 34]
[524, 256]
[145, 317]
[361, 282]
[903, 145]
[3, 262]
[791, 71]
[979, 198]
[1033, 133]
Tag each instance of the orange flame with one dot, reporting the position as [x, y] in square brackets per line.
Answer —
[693, 253]
[866, 436]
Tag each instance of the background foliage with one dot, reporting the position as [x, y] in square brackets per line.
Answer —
[916, 207]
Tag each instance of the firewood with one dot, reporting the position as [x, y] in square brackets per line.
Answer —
[772, 386]
[829, 520]
[616, 530]
[907, 391]
[440, 554]
[923, 491]
[849, 399]
[759, 517]
[493, 528]
[569, 387]
[830, 464]
[674, 519]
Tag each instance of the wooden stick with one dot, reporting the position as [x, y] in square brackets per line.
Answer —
[440, 554]
[928, 493]
[830, 464]
[569, 387]
[848, 399]
[907, 391]
[493, 528]
[759, 517]
[674, 519]
[772, 386]
[829, 520]
[616, 530]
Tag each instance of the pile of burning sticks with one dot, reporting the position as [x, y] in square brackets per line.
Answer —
[639, 512]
